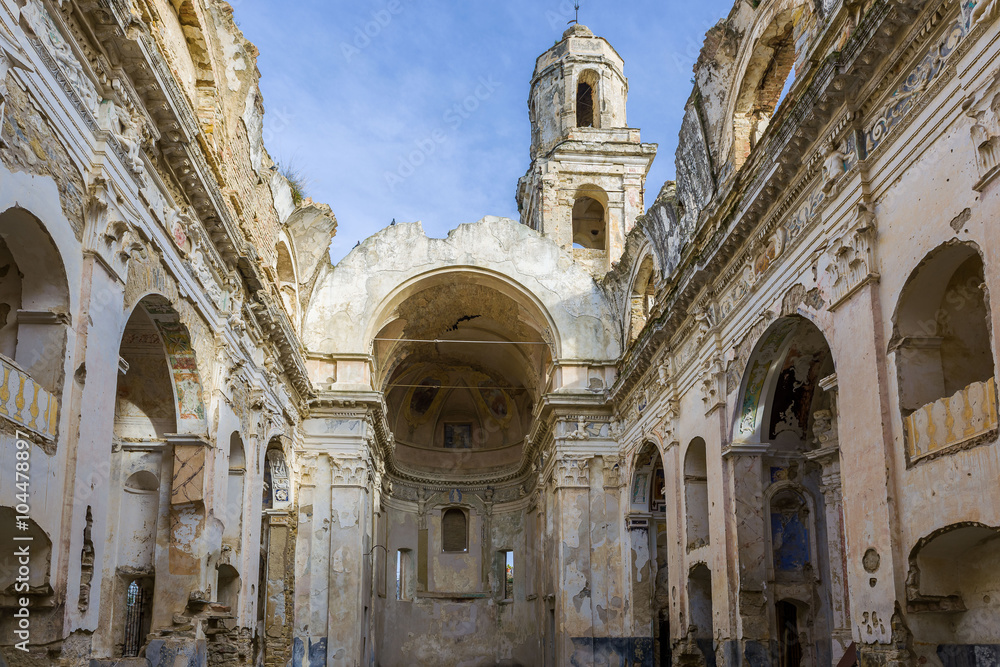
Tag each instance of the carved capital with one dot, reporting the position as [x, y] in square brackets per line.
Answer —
[571, 472]
[350, 472]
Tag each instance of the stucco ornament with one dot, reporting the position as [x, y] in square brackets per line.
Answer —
[986, 11]
[41, 23]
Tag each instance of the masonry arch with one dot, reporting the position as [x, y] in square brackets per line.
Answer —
[462, 357]
[590, 218]
[34, 301]
[347, 309]
[787, 407]
[642, 295]
[537, 315]
[766, 67]
[160, 343]
[647, 524]
[942, 348]
[953, 593]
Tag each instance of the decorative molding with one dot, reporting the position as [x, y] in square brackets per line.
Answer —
[571, 472]
[850, 260]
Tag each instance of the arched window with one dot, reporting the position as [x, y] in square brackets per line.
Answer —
[589, 224]
[587, 106]
[138, 602]
[767, 79]
[642, 298]
[943, 352]
[696, 494]
[287, 283]
[454, 531]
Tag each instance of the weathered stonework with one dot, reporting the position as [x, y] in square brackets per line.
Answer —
[753, 425]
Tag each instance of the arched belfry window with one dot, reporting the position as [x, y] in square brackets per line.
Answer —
[584, 105]
[589, 224]
[454, 531]
[587, 107]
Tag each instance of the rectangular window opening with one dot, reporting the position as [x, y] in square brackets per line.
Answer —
[403, 575]
[506, 562]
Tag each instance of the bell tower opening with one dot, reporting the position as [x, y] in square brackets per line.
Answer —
[584, 105]
[577, 108]
[588, 224]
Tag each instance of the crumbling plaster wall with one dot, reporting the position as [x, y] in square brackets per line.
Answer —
[349, 297]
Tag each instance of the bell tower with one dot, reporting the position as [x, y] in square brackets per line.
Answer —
[584, 188]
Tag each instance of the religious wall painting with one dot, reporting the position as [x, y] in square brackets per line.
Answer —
[757, 376]
[424, 397]
[457, 436]
[496, 402]
[639, 488]
[789, 532]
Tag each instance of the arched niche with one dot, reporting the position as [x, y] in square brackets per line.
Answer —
[780, 389]
[696, 502]
[235, 485]
[700, 605]
[943, 352]
[277, 490]
[953, 594]
[34, 300]
[229, 582]
[159, 383]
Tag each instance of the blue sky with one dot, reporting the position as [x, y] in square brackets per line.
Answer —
[361, 96]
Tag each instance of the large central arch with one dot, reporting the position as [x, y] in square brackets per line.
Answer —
[352, 300]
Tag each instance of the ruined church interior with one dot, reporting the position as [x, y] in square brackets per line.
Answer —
[746, 417]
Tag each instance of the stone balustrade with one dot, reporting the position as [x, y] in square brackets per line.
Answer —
[952, 420]
[26, 403]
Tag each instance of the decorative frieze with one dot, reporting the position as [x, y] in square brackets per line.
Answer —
[918, 81]
[60, 58]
